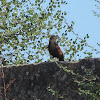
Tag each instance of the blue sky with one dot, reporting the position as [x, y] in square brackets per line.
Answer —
[80, 11]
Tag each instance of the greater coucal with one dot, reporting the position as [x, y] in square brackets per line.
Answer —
[54, 49]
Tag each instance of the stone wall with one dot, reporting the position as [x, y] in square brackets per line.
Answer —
[46, 81]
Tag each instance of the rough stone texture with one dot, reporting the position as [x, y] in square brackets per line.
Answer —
[30, 82]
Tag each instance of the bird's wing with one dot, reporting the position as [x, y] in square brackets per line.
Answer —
[58, 50]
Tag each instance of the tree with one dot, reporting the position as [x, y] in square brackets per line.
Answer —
[25, 27]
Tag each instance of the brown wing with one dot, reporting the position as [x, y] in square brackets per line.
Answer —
[59, 50]
[59, 53]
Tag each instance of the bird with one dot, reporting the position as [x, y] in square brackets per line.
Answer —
[54, 48]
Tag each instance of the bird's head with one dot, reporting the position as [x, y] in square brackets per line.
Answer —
[53, 37]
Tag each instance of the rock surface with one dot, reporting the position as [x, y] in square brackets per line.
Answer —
[46, 81]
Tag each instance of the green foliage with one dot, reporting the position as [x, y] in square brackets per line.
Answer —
[25, 27]
[88, 84]
[54, 93]
[51, 90]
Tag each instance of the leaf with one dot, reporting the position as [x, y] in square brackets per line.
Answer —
[30, 57]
